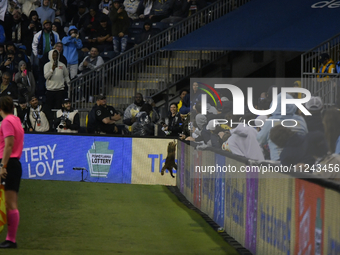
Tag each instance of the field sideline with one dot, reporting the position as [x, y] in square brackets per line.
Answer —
[94, 218]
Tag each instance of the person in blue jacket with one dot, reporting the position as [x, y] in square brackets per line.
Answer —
[72, 44]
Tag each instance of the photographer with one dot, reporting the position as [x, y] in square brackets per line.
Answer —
[67, 120]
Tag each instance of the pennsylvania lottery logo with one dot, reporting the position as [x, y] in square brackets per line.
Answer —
[99, 159]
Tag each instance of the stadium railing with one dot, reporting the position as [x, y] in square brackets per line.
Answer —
[319, 84]
[145, 68]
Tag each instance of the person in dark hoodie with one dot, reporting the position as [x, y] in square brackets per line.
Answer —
[104, 35]
[294, 146]
[120, 25]
[161, 9]
[314, 121]
[82, 11]
[32, 26]
[72, 44]
[147, 32]
[57, 27]
[185, 105]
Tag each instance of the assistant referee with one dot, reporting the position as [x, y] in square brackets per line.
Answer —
[11, 145]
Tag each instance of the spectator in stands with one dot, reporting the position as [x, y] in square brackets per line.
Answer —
[25, 81]
[300, 128]
[43, 42]
[59, 7]
[60, 48]
[144, 9]
[294, 146]
[182, 94]
[10, 65]
[331, 122]
[185, 108]
[72, 44]
[314, 121]
[14, 26]
[91, 62]
[39, 117]
[8, 87]
[179, 11]
[143, 125]
[160, 10]
[105, 6]
[45, 12]
[22, 112]
[104, 35]
[120, 25]
[131, 9]
[174, 126]
[90, 22]
[243, 141]
[56, 27]
[82, 11]
[106, 117]
[147, 32]
[194, 6]
[29, 5]
[133, 109]
[56, 74]
[19, 54]
[327, 66]
[32, 27]
[67, 119]
[195, 94]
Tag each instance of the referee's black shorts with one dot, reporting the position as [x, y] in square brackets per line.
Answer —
[14, 172]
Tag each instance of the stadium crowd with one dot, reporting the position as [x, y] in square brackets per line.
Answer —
[45, 44]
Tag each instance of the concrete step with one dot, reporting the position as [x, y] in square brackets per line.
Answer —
[191, 54]
[164, 69]
[142, 84]
[179, 62]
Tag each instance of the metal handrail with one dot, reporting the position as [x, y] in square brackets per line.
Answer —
[146, 65]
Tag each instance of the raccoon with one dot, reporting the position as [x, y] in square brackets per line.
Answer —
[170, 159]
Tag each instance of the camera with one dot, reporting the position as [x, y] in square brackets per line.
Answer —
[62, 122]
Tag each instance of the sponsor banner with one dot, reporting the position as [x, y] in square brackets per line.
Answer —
[208, 186]
[275, 216]
[251, 211]
[197, 180]
[148, 158]
[53, 157]
[331, 231]
[309, 217]
[219, 197]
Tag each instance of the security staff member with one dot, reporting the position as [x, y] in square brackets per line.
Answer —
[67, 120]
[106, 116]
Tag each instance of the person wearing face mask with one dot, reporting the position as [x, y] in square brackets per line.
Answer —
[32, 26]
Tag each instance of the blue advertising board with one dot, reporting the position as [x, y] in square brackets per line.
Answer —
[53, 157]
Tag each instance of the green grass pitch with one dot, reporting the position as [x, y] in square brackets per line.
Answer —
[94, 218]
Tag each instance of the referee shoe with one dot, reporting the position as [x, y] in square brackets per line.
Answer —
[8, 244]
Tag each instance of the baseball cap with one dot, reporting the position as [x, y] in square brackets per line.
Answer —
[101, 97]
[66, 100]
[46, 21]
[314, 104]
[323, 57]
